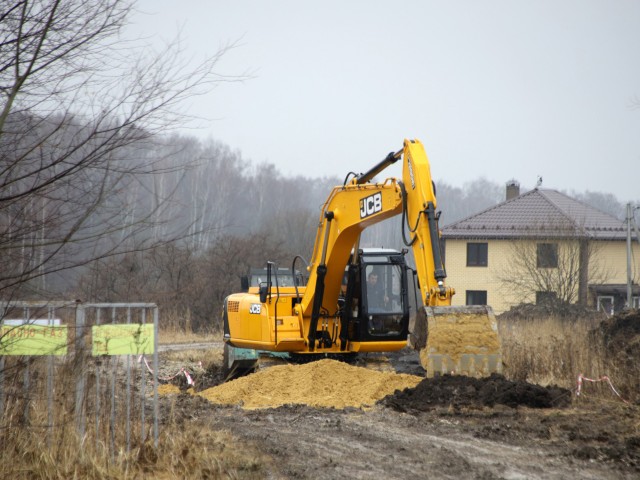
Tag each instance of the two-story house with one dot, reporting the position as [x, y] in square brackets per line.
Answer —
[539, 245]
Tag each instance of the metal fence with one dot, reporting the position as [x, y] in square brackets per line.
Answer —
[82, 359]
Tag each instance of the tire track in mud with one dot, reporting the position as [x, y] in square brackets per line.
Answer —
[328, 444]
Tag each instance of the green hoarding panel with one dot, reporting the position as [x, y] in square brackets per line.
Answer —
[33, 340]
[132, 339]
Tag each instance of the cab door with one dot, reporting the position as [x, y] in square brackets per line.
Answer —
[385, 310]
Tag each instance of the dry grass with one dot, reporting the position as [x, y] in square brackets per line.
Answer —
[551, 351]
[177, 327]
[199, 357]
[177, 335]
[30, 449]
[184, 451]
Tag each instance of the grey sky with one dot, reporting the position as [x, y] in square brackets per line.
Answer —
[494, 89]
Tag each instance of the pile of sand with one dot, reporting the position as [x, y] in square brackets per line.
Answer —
[325, 383]
[168, 389]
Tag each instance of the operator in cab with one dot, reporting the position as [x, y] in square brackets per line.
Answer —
[376, 296]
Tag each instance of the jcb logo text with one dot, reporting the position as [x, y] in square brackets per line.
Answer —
[255, 308]
[370, 205]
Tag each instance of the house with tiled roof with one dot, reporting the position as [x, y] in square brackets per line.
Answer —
[538, 246]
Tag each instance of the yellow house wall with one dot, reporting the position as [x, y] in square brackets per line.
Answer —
[608, 264]
[609, 261]
[463, 278]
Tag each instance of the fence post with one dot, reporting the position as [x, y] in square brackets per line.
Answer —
[143, 381]
[114, 367]
[50, 371]
[97, 366]
[79, 364]
[3, 312]
[128, 390]
[26, 383]
[1, 385]
[155, 375]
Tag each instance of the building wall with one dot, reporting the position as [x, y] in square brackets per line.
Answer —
[608, 264]
[463, 278]
[609, 261]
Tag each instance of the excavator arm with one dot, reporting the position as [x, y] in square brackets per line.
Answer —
[351, 208]
[454, 331]
[422, 219]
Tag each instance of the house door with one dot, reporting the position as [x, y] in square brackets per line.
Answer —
[605, 304]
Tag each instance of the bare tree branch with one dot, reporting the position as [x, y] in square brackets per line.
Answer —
[78, 112]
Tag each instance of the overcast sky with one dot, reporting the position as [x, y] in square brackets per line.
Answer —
[495, 89]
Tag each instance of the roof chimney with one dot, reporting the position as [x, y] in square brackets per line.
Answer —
[513, 189]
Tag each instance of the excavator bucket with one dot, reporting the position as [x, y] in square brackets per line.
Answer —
[238, 362]
[458, 340]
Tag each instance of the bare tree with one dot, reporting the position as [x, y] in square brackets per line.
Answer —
[219, 271]
[555, 269]
[78, 108]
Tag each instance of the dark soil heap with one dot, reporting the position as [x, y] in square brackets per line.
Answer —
[460, 391]
[621, 335]
[567, 312]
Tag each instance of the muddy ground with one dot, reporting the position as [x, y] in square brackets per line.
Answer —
[445, 428]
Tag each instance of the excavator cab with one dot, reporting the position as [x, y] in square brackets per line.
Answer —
[375, 306]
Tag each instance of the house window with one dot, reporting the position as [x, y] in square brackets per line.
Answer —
[476, 297]
[545, 297]
[477, 254]
[606, 304]
[547, 255]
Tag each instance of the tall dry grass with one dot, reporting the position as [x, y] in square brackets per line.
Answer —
[177, 327]
[185, 450]
[38, 445]
[555, 352]
[167, 336]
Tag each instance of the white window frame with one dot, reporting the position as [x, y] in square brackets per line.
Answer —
[601, 307]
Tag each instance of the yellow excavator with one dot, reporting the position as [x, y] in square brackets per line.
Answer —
[358, 300]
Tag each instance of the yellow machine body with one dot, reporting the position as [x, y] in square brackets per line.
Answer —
[325, 316]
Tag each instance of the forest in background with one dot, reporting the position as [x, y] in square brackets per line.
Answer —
[100, 199]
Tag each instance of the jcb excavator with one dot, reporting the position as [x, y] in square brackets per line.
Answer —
[357, 300]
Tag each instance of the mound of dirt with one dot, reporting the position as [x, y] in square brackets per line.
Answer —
[324, 383]
[621, 337]
[461, 391]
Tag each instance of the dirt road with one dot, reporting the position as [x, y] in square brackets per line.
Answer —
[584, 442]
[587, 439]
